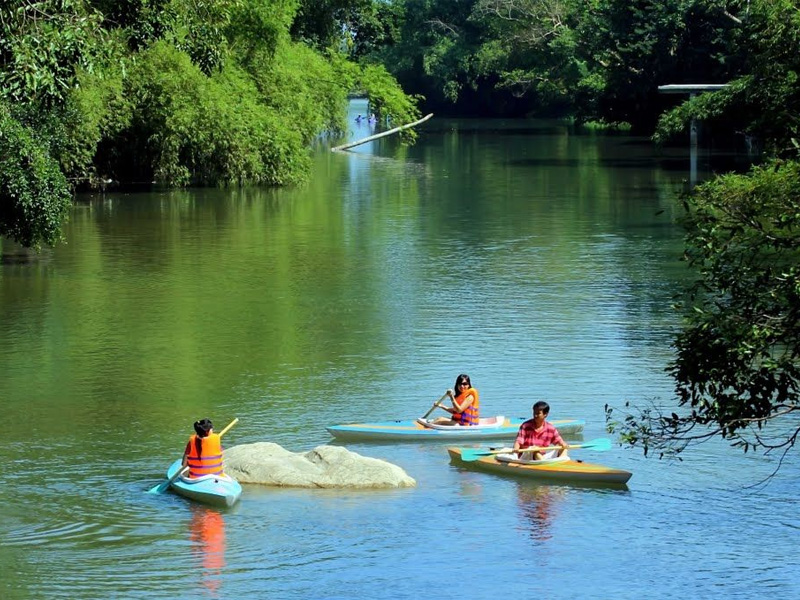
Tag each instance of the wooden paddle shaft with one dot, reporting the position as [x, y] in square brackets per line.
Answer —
[178, 473]
[433, 408]
[545, 448]
[231, 424]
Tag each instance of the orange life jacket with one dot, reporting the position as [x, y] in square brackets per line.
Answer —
[209, 462]
[471, 415]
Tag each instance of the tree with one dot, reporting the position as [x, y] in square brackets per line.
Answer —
[355, 26]
[630, 48]
[531, 46]
[174, 91]
[737, 362]
[41, 46]
[763, 101]
[34, 195]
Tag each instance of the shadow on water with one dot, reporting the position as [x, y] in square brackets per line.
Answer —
[12, 254]
[675, 164]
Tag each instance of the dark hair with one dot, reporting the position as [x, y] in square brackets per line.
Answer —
[463, 378]
[543, 406]
[201, 427]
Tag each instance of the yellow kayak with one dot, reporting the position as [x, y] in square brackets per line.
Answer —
[568, 471]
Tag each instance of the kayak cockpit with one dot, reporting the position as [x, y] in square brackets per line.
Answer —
[484, 423]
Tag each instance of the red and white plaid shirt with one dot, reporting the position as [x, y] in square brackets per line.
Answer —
[547, 436]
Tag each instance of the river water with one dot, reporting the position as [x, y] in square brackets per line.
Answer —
[540, 260]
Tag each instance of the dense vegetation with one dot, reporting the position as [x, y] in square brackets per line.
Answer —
[172, 91]
[596, 60]
[737, 364]
[233, 91]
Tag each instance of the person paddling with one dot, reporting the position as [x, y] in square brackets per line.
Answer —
[538, 432]
[465, 409]
[203, 453]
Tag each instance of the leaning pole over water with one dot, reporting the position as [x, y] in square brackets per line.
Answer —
[380, 135]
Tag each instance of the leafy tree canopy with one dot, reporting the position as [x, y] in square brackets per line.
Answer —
[36, 197]
[737, 363]
[171, 91]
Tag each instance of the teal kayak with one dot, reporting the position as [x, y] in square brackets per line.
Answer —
[490, 428]
[216, 490]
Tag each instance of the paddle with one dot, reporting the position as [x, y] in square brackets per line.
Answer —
[470, 454]
[164, 486]
[434, 407]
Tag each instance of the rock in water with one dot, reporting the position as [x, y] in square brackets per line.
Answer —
[323, 467]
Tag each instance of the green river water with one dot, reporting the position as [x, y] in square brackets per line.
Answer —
[540, 260]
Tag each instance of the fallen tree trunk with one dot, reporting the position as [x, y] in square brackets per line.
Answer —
[380, 135]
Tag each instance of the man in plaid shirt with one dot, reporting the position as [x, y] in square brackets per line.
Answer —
[539, 433]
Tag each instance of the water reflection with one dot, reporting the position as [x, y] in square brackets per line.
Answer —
[539, 507]
[207, 534]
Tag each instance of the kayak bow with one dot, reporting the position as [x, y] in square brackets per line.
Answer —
[216, 490]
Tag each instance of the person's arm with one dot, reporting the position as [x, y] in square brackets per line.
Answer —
[452, 399]
[185, 461]
[520, 436]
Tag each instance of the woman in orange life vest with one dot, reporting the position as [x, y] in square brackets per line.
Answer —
[466, 406]
[203, 454]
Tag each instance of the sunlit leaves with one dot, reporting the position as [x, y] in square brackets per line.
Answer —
[763, 100]
[41, 46]
[34, 195]
[173, 91]
[737, 364]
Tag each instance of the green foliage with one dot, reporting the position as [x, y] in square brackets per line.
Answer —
[258, 26]
[386, 98]
[34, 195]
[96, 109]
[194, 129]
[532, 47]
[764, 101]
[597, 60]
[301, 86]
[41, 46]
[374, 27]
[603, 126]
[354, 26]
[738, 358]
[633, 47]
[173, 91]
[199, 30]
[737, 363]
[142, 21]
[435, 55]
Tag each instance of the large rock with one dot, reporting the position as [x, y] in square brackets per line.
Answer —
[322, 467]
